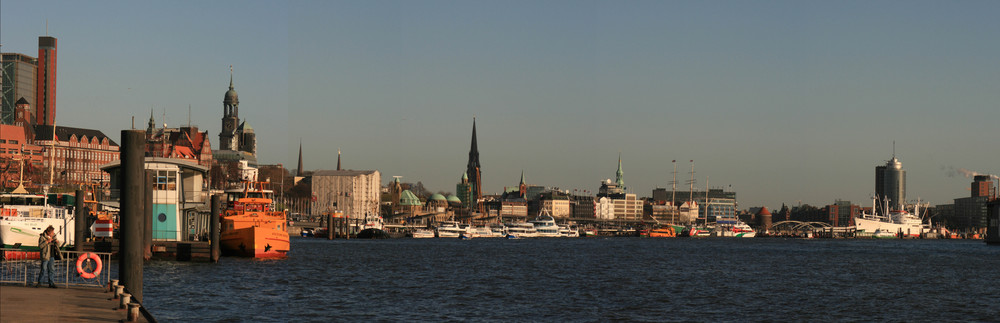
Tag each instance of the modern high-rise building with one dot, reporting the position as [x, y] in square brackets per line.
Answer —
[45, 91]
[18, 73]
[982, 185]
[890, 185]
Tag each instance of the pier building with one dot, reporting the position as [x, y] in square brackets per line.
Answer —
[180, 197]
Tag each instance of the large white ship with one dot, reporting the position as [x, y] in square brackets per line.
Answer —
[895, 222]
[25, 216]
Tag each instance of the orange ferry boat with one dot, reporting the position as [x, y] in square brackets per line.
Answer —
[250, 225]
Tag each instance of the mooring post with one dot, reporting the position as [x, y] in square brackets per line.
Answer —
[133, 312]
[331, 227]
[214, 227]
[124, 300]
[147, 217]
[81, 214]
[132, 178]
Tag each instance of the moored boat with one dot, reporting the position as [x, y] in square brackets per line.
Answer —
[450, 229]
[545, 225]
[665, 231]
[23, 217]
[521, 229]
[250, 225]
[422, 233]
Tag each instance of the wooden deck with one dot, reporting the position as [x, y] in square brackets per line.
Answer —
[74, 304]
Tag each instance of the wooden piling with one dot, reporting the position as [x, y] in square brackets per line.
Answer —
[81, 213]
[331, 227]
[214, 227]
[147, 216]
[132, 150]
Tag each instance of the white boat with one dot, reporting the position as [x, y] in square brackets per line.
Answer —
[521, 229]
[567, 231]
[485, 231]
[25, 216]
[450, 229]
[423, 233]
[895, 221]
[545, 225]
[733, 227]
[499, 230]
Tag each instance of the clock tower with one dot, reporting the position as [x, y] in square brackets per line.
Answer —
[230, 117]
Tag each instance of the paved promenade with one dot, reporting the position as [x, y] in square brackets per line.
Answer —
[74, 304]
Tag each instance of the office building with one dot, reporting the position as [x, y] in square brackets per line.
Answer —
[45, 91]
[18, 82]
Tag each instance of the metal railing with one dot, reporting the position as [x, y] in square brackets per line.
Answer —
[22, 267]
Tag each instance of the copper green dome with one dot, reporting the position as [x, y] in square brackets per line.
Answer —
[438, 197]
[408, 199]
[453, 199]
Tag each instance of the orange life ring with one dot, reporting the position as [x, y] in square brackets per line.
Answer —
[79, 265]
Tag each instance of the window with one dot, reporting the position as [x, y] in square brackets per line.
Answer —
[13, 142]
[166, 180]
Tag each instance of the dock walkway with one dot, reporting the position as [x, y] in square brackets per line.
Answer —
[74, 304]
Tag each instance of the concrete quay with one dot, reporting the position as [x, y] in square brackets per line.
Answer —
[74, 304]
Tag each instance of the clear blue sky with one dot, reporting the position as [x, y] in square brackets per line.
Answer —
[784, 101]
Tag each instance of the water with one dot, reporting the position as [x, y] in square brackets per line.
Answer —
[588, 279]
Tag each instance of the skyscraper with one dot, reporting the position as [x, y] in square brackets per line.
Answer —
[45, 91]
[890, 185]
[18, 74]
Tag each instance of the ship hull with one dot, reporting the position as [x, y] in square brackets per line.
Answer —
[24, 231]
[255, 242]
[870, 225]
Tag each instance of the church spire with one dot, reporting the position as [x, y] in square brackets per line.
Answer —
[230, 77]
[618, 175]
[474, 150]
[152, 123]
[338, 158]
[298, 171]
[522, 177]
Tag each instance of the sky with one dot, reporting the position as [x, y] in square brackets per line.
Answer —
[781, 101]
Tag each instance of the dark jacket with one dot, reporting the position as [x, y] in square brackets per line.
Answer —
[45, 247]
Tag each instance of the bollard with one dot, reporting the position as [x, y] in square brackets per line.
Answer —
[119, 290]
[124, 300]
[112, 285]
[133, 312]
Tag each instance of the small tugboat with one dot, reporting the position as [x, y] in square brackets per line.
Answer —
[250, 225]
[373, 228]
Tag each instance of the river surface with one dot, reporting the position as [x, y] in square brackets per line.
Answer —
[587, 279]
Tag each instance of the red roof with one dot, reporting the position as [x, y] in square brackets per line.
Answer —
[763, 211]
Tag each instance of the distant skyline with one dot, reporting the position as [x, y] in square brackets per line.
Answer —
[782, 101]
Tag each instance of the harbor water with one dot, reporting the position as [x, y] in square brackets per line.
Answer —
[587, 279]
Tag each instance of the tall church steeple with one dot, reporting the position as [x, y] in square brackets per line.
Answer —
[298, 171]
[618, 175]
[473, 169]
[338, 159]
[228, 138]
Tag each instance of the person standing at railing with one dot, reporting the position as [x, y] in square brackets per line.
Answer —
[46, 243]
